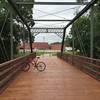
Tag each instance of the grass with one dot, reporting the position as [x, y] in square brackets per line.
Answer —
[40, 53]
[21, 54]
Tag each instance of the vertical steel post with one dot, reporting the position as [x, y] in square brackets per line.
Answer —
[91, 32]
[23, 40]
[73, 39]
[11, 33]
[73, 44]
[30, 38]
[63, 40]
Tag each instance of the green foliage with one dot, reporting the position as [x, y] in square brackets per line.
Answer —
[43, 53]
[97, 30]
[68, 40]
[5, 44]
[26, 10]
[80, 30]
[81, 33]
[5, 39]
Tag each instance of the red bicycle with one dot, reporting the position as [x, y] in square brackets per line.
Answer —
[39, 65]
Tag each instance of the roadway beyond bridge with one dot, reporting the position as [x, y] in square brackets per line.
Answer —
[60, 81]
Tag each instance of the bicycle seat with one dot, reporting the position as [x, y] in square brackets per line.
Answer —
[38, 57]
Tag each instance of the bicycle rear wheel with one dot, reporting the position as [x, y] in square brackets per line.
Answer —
[26, 67]
[41, 66]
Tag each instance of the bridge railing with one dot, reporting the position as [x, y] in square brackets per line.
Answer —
[87, 65]
[9, 70]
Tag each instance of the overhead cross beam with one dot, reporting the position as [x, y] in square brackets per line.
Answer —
[60, 35]
[81, 12]
[47, 30]
[54, 20]
[53, 3]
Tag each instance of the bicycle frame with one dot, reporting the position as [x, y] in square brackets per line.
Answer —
[40, 66]
[35, 61]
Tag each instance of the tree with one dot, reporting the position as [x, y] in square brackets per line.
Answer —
[68, 40]
[81, 32]
[26, 10]
[97, 30]
[5, 25]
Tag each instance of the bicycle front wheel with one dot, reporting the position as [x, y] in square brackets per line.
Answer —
[41, 66]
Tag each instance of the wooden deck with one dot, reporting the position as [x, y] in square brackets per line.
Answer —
[60, 81]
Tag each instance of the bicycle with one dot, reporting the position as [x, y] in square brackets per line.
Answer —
[39, 65]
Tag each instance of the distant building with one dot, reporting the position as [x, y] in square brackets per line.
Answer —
[41, 45]
[55, 46]
[36, 45]
[45, 46]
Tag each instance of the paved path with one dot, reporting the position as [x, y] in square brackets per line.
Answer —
[60, 81]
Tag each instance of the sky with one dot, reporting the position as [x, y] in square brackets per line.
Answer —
[53, 12]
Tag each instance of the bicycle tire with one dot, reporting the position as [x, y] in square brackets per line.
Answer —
[26, 67]
[41, 66]
[33, 65]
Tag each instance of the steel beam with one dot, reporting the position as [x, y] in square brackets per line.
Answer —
[81, 12]
[47, 30]
[23, 32]
[13, 5]
[91, 32]
[89, 5]
[52, 20]
[53, 3]
[63, 40]
[11, 35]
[30, 37]
[73, 41]
[17, 11]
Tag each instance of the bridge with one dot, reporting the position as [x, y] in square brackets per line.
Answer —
[67, 76]
[60, 81]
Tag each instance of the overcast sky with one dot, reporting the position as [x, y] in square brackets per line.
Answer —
[53, 12]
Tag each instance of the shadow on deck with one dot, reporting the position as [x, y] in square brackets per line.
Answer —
[60, 81]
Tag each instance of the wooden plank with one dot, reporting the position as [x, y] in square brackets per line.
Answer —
[8, 70]
[60, 81]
